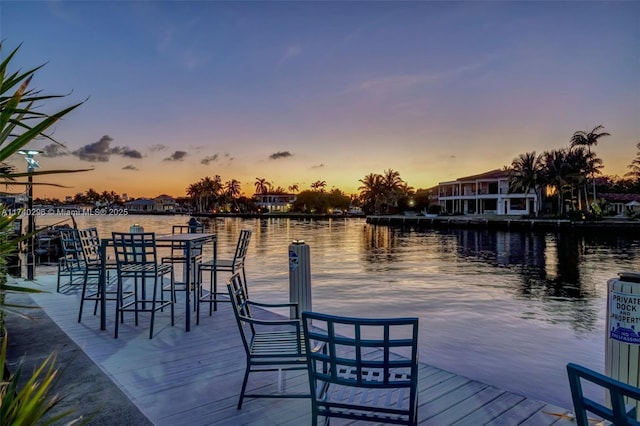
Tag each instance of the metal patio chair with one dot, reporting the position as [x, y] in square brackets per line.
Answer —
[177, 256]
[71, 264]
[92, 260]
[137, 262]
[617, 392]
[367, 369]
[270, 345]
[236, 264]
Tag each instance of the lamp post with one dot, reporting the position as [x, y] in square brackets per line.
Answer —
[32, 164]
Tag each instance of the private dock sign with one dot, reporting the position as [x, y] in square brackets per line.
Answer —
[624, 312]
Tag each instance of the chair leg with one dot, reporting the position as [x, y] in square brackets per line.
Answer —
[214, 285]
[196, 284]
[153, 303]
[196, 300]
[118, 305]
[244, 386]
[84, 292]
[173, 301]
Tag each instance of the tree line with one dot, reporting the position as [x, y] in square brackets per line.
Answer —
[569, 178]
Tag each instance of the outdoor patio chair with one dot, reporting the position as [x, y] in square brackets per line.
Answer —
[270, 345]
[618, 414]
[137, 263]
[92, 261]
[178, 257]
[211, 295]
[71, 264]
[367, 369]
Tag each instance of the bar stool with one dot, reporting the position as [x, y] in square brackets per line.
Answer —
[137, 261]
[236, 264]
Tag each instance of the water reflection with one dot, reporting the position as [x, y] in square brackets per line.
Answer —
[548, 264]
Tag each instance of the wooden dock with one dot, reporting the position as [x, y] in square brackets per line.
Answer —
[194, 378]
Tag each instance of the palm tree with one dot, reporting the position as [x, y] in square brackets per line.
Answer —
[92, 196]
[232, 190]
[262, 186]
[211, 190]
[293, 188]
[393, 187]
[584, 163]
[577, 166]
[589, 139]
[371, 192]
[525, 174]
[319, 185]
[555, 172]
[194, 191]
[634, 167]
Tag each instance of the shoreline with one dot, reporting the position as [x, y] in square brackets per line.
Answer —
[509, 223]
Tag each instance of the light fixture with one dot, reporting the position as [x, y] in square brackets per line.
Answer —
[32, 164]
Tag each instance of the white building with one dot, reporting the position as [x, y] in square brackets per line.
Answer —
[486, 193]
[280, 203]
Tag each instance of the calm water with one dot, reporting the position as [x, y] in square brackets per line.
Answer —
[506, 308]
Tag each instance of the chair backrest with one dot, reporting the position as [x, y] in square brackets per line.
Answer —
[240, 302]
[134, 248]
[187, 229]
[71, 247]
[90, 242]
[178, 248]
[364, 357]
[242, 247]
[616, 390]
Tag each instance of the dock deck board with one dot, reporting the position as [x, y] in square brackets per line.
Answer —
[194, 378]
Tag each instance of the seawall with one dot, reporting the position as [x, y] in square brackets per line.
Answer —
[505, 223]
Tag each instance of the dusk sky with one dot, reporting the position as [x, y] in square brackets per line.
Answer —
[296, 92]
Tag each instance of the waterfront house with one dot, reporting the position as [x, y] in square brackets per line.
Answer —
[272, 202]
[140, 205]
[621, 205]
[164, 203]
[486, 193]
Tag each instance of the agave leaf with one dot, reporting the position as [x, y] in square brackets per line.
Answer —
[32, 133]
[57, 185]
[17, 288]
[49, 172]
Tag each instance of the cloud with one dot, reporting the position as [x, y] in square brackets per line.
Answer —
[130, 167]
[54, 150]
[158, 147]
[281, 154]
[130, 153]
[176, 156]
[209, 159]
[97, 151]
[101, 150]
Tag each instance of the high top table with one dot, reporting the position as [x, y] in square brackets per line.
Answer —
[188, 241]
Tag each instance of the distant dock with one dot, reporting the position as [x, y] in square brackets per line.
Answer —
[504, 223]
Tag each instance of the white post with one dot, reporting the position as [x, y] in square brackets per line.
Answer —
[299, 276]
[135, 228]
[622, 352]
